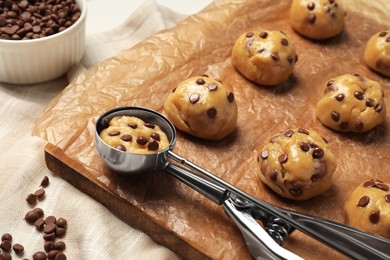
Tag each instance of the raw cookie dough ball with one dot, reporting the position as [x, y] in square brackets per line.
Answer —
[368, 208]
[297, 164]
[133, 135]
[352, 103]
[265, 57]
[377, 52]
[203, 107]
[317, 19]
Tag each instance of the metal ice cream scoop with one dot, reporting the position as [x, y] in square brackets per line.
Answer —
[242, 208]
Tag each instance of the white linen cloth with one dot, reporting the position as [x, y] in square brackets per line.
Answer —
[93, 231]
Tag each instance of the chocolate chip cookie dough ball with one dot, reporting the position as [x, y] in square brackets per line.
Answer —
[203, 107]
[377, 53]
[264, 57]
[368, 208]
[297, 164]
[133, 135]
[351, 103]
[317, 19]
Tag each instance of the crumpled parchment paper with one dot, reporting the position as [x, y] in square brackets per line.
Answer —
[145, 74]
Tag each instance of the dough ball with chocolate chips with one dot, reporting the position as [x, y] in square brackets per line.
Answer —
[133, 135]
[377, 53]
[264, 57]
[317, 19]
[297, 164]
[203, 107]
[351, 103]
[368, 208]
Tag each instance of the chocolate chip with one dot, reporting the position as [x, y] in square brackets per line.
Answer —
[212, 86]
[359, 126]
[273, 175]
[114, 133]
[288, 133]
[382, 34]
[39, 224]
[363, 201]
[49, 245]
[330, 83]
[45, 182]
[6, 236]
[295, 192]
[150, 125]
[52, 254]
[132, 125]
[374, 217]
[60, 256]
[49, 236]
[378, 108]
[335, 116]
[200, 81]
[39, 256]
[344, 125]
[370, 102]
[61, 222]
[155, 136]
[39, 193]
[382, 186]
[18, 249]
[31, 217]
[6, 245]
[284, 42]
[126, 138]
[304, 147]
[312, 145]
[39, 211]
[303, 131]
[318, 152]
[230, 97]
[249, 34]
[369, 184]
[263, 35]
[275, 56]
[50, 219]
[153, 146]
[358, 95]
[311, 6]
[31, 199]
[60, 245]
[264, 154]
[211, 112]
[194, 98]
[290, 59]
[312, 18]
[283, 158]
[121, 147]
[387, 198]
[142, 140]
[340, 97]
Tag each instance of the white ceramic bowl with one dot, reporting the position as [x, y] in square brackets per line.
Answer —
[39, 60]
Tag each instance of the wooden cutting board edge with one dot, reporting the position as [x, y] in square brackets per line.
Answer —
[72, 172]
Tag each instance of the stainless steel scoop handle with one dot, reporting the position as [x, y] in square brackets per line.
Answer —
[351, 242]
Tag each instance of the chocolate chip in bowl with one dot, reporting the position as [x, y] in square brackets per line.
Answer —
[40, 40]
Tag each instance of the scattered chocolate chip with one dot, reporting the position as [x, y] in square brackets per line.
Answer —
[142, 140]
[200, 81]
[370, 102]
[311, 6]
[275, 56]
[211, 112]
[60, 256]
[318, 152]
[18, 249]
[6, 245]
[126, 138]
[6, 236]
[359, 126]
[150, 125]
[39, 211]
[194, 98]
[273, 175]
[304, 147]
[31, 217]
[49, 245]
[31, 199]
[153, 146]
[39, 256]
[263, 35]
[52, 254]
[387, 198]
[50, 219]
[212, 86]
[249, 34]
[344, 125]
[312, 18]
[264, 154]
[120, 147]
[45, 182]
[303, 131]
[358, 95]
[5, 256]
[155, 136]
[39, 224]
[340, 97]
[132, 125]
[374, 217]
[114, 133]
[60, 245]
[283, 158]
[335, 116]
[230, 97]
[363, 201]
[49, 236]
[39, 193]
[284, 42]
[61, 222]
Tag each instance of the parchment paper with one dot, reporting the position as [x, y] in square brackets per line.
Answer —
[145, 74]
